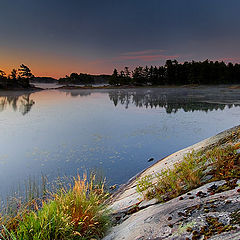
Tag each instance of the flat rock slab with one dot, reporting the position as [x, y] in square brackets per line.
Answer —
[127, 195]
[170, 220]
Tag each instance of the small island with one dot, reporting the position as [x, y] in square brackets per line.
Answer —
[17, 79]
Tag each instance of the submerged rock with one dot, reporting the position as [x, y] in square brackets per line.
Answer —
[150, 159]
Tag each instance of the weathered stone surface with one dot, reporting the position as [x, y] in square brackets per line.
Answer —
[171, 220]
[138, 219]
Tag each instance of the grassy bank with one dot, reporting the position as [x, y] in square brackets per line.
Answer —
[196, 169]
[71, 212]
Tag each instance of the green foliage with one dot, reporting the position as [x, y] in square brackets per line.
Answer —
[46, 224]
[145, 183]
[6, 235]
[184, 227]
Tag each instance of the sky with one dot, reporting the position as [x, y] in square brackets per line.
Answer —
[57, 37]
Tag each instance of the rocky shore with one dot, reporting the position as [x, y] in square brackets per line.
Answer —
[211, 211]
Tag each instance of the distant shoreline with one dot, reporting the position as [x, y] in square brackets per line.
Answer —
[22, 89]
[72, 87]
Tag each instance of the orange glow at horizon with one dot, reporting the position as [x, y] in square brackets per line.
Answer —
[50, 65]
[55, 70]
[56, 65]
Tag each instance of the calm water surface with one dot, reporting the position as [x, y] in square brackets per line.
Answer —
[115, 131]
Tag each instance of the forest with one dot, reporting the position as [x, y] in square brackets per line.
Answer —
[75, 78]
[84, 79]
[17, 79]
[174, 73]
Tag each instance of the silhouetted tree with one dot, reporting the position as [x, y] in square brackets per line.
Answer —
[2, 74]
[114, 78]
[13, 74]
[174, 73]
[25, 72]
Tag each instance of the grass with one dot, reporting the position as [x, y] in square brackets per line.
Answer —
[218, 163]
[72, 212]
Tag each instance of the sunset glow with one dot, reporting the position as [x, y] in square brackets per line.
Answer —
[112, 35]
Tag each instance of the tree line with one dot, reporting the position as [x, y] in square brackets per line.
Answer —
[76, 78]
[174, 73]
[84, 79]
[18, 78]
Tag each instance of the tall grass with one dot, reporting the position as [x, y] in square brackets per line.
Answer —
[84, 203]
[76, 211]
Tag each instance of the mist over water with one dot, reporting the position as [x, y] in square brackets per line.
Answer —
[62, 132]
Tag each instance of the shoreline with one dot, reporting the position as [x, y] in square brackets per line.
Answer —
[72, 87]
[129, 208]
[22, 89]
[204, 145]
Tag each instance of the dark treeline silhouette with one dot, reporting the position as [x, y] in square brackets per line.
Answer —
[174, 73]
[84, 79]
[22, 103]
[43, 80]
[76, 78]
[151, 100]
[18, 79]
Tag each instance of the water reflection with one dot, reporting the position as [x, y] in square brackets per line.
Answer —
[78, 93]
[22, 103]
[169, 103]
[77, 130]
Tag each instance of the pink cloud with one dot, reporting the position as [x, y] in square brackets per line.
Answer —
[144, 52]
[148, 55]
[130, 58]
[149, 58]
[230, 59]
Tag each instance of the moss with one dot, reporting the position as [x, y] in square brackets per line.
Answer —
[235, 217]
[133, 209]
[214, 226]
[229, 185]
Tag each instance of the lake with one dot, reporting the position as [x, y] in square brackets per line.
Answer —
[115, 132]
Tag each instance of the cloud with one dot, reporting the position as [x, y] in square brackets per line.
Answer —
[149, 55]
[144, 52]
[230, 59]
[149, 58]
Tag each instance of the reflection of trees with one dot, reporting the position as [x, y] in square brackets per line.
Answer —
[154, 100]
[78, 93]
[21, 103]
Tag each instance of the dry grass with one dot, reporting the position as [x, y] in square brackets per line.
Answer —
[218, 163]
[73, 212]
